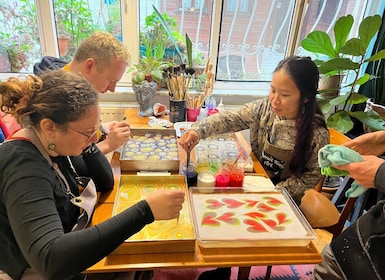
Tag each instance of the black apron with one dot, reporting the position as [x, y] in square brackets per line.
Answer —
[275, 160]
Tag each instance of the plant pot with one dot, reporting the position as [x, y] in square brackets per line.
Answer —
[379, 109]
[149, 79]
[329, 86]
[17, 59]
[144, 94]
[63, 43]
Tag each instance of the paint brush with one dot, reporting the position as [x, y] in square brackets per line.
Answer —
[131, 136]
[238, 157]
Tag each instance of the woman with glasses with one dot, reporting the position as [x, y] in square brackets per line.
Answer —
[43, 217]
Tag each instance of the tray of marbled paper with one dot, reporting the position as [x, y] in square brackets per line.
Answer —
[175, 235]
[223, 148]
[238, 218]
[150, 150]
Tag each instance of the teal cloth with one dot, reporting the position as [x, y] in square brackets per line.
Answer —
[339, 155]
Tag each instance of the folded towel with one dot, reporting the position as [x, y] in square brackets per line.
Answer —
[339, 155]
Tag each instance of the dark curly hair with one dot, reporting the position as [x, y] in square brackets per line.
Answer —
[58, 95]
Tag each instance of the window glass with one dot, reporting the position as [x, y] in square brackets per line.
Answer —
[77, 19]
[255, 35]
[322, 15]
[253, 38]
[187, 16]
[19, 40]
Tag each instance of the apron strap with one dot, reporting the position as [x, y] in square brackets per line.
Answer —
[87, 199]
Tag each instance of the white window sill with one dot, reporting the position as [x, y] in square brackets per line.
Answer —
[232, 93]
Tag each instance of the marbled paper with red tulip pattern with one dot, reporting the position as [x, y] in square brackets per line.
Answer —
[246, 216]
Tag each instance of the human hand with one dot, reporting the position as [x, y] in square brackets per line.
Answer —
[106, 126]
[189, 140]
[368, 144]
[166, 204]
[118, 134]
[363, 172]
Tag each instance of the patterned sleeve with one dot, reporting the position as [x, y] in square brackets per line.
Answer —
[230, 121]
[297, 186]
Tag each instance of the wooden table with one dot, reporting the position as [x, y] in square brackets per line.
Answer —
[201, 257]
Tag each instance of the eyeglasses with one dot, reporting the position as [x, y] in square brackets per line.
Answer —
[89, 136]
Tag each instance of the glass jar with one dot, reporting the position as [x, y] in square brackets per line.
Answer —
[206, 181]
[190, 173]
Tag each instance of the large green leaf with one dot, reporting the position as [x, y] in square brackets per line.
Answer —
[325, 105]
[339, 64]
[342, 29]
[370, 118]
[340, 121]
[362, 80]
[189, 51]
[353, 47]
[377, 56]
[319, 42]
[169, 33]
[341, 99]
[368, 28]
[318, 61]
[357, 98]
[157, 75]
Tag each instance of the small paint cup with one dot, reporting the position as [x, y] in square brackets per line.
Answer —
[222, 178]
[237, 176]
[206, 181]
[192, 114]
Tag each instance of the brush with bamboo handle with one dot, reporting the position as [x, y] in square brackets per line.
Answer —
[209, 80]
[207, 65]
[179, 81]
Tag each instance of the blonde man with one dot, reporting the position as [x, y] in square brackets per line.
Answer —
[102, 59]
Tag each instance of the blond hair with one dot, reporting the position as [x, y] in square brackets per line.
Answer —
[102, 47]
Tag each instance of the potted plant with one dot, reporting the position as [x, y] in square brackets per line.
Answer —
[74, 24]
[346, 56]
[160, 38]
[147, 74]
[18, 57]
[149, 69]
[63, 41]
[17, 53]
[19, 34]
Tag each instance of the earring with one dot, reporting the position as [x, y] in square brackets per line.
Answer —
[51, 146]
